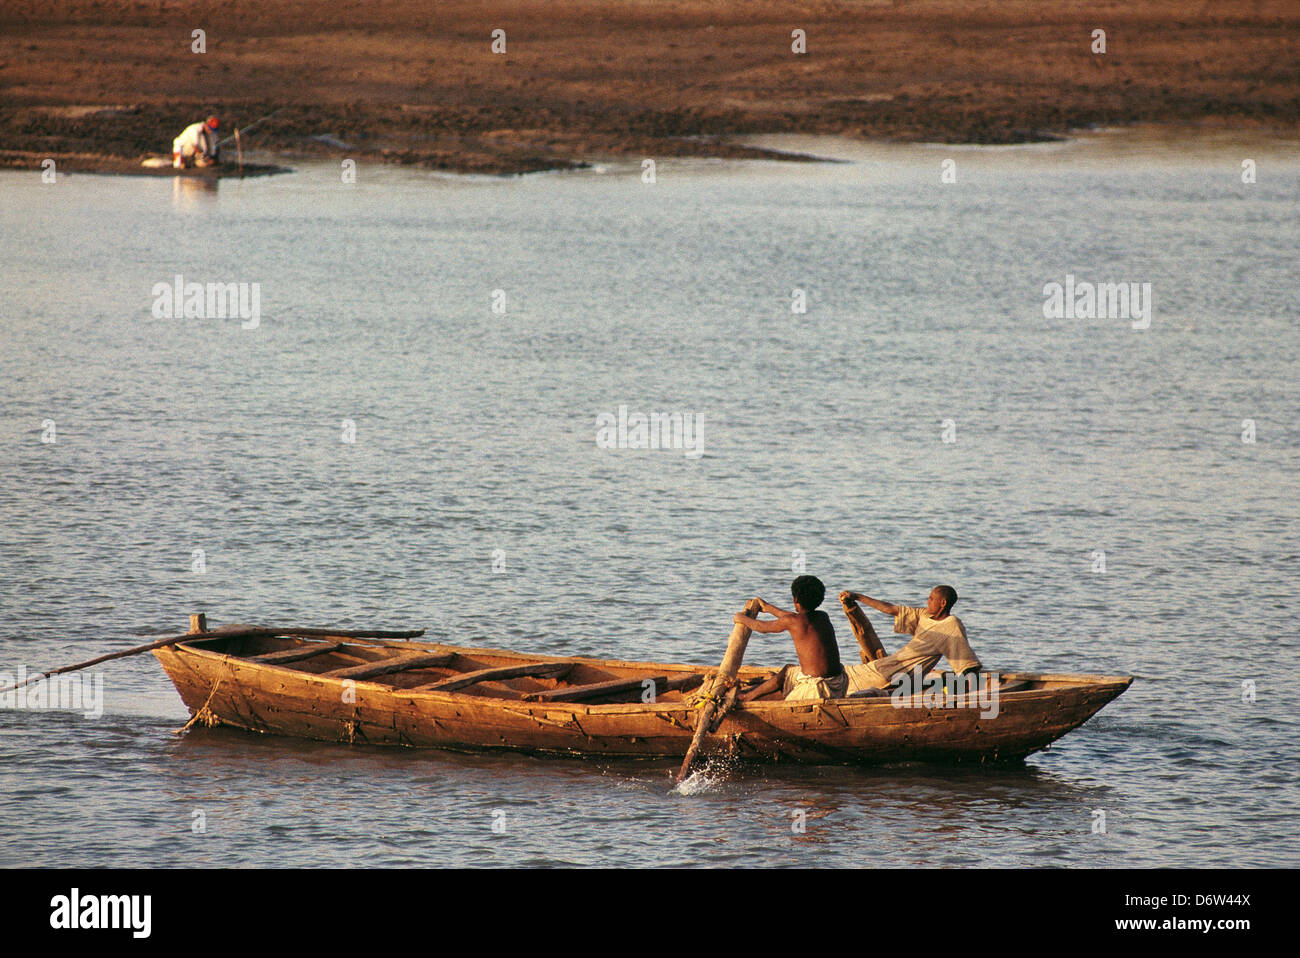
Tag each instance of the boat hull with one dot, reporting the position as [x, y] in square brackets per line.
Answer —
[231, 690]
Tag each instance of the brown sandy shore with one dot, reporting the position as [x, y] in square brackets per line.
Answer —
[96, 84]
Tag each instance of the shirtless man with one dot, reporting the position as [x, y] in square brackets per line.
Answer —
[936, 633]
[820, 674]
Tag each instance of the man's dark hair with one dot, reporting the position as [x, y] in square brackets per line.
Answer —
[808, 591]
[949, 596]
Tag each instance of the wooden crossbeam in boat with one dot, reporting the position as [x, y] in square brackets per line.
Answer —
[398, 663]
[685, 682]
[595, 690]
[553, 670]
[296, 654]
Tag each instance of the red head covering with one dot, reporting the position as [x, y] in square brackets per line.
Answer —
[212, 122]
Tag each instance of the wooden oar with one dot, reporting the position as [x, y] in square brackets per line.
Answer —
[868, 641]
[721, 682]
[204, 633]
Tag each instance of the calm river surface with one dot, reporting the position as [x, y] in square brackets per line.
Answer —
[824, 442]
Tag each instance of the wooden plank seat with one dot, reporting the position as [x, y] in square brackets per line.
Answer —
[398, 663]
[297, 653]
[553, 670]
[595, 690]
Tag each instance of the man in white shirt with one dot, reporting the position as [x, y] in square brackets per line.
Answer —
[197, 145]
[936, 633]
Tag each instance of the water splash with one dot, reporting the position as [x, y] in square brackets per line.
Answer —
[707, 778]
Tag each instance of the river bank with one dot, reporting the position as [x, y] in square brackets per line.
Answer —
[417, 83]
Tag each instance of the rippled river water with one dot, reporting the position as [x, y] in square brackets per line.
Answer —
[921, 422]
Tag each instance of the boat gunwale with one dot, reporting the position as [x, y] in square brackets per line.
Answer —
[1088, 681]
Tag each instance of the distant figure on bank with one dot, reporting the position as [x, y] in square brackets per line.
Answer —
[196, 146]
[936, 633]
[820, 674]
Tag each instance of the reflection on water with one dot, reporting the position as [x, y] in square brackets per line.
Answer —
[192, 193]
[893, 813]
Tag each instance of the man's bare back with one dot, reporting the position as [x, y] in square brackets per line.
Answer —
[814, 643]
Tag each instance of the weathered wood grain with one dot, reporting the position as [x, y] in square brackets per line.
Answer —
[531, 669]
[296, 655]
[595, 690]
[266, 697]
[396, 663]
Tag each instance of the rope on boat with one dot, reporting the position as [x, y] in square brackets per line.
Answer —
[712, 690]
[204, 714]
[728, 703]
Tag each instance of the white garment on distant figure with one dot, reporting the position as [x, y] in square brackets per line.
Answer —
[197, 139]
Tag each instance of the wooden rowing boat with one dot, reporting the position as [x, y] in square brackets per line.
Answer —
[386, 692]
